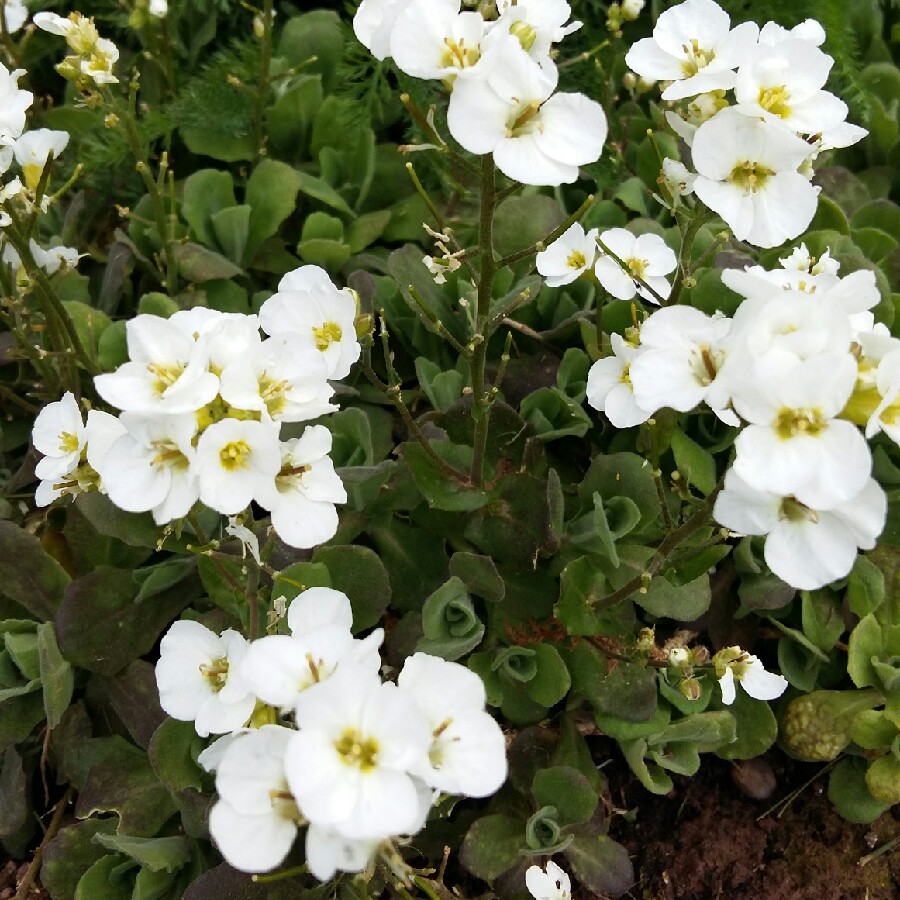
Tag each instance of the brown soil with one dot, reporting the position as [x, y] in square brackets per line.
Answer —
[707, 840]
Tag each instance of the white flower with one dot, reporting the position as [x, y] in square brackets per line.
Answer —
[152, 466]
[886, 416]
[631, 9]
[536, 25]
[280, 380]
[13, 102]
[254, 822]
[609, 387]
[55, 258]
[806, 546]
[433, 39]
[772, 33]
[783, 82]
[99, 63]
[503, 106]
[685, 121]
[58, 434]
[302, 495]
[468, 751]
[733, 664]
[794, 445]
[694, 47]
[328, 852]
[167, 371]
[158, 8]
[682, 355]
[16, 14]
[679, 180]
[309, 305]
[646, 256]
[554, 884]
[34, 148]
[349, 764]
[236, 460]
[374, 22]
[198, 676]
[568, 257]
[747, 173]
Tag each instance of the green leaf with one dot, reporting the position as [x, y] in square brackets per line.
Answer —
[479, 574]
[159, 854]
[628, 692]
[101, 627]
[299, 577]
[520, 222]
[449, 623]
[416, 562]
[707, 730]
[70, 854]
[136, 530]
[756, 728]
[22, 647]
[848, 791]
[112, 349]
[866, 587]
[622, 474]
[103, 880]
[684, 603]
[232, 230]
[318, 34]
[822, 621]
[90, 323]
[206, 192]
[491, 846]
[134, 698]
[156, 304]
[14, 795]
[366, 229]
[695, 464]
[572, 751]
[829, 217]
[57, 677]
[652, 776]
[440, 490]
[601, 864]
[444, 388]
[328, 254]
[322, 191]
[173, 750]
[360, 574]
[552, 415]
[865, 644]
[198, 264]
[28, 575]
[124, 783]
[568, 790]
[153, 580]
[551, 681]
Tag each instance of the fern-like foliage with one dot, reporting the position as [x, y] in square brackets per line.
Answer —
[210, 102]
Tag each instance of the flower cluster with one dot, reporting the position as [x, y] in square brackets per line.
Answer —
[92, 58]
[203, 399]
[330, 744]
[645, 261]
[800, 365]
[731, 665]
[502, 79]
[753, 152]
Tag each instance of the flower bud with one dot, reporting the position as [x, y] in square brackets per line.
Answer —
[883, 779]
[631, 9]
[629, 81]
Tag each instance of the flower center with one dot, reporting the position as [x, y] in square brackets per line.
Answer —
[793, 422]
[706, 363]
[751, 176]
[356, 750]
[696, 58]
[637, 267]
[164, 376]
[273, 391]
[457, 55]
[284, 805]
[794, 511]
[775, 100]
[218, 410]
[235, 455]
[576, 260]
[168, 454]
[216, 673]
[325, 334]
[523, 123]
[32, 173]
[68, 442]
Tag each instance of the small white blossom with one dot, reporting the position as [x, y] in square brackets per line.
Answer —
[609, 386]
[733, 664]
[554, 884]
[568, 257]
[647, 257]
[198, 676]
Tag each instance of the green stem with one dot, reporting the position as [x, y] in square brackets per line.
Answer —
[262, 86]
[698, 220]
[665, 550]
[481, 409]
[128, 117]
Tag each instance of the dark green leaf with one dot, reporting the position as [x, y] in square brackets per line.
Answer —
[491, 846]
[479, 574]
[567, 790]
[70, 854]
[156, 853]
[206, 192]
[683, 603]
[173, 750]
[600, 864]
[848, 791]
[441, 490]
[28, 575]
[360, 574]
[198, 264]
[57, 677]
[695, 464]
[449, 622]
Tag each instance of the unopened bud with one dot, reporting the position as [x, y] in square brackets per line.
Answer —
[690, 688]
[110, 120]
[629, 81]
[631, 9]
